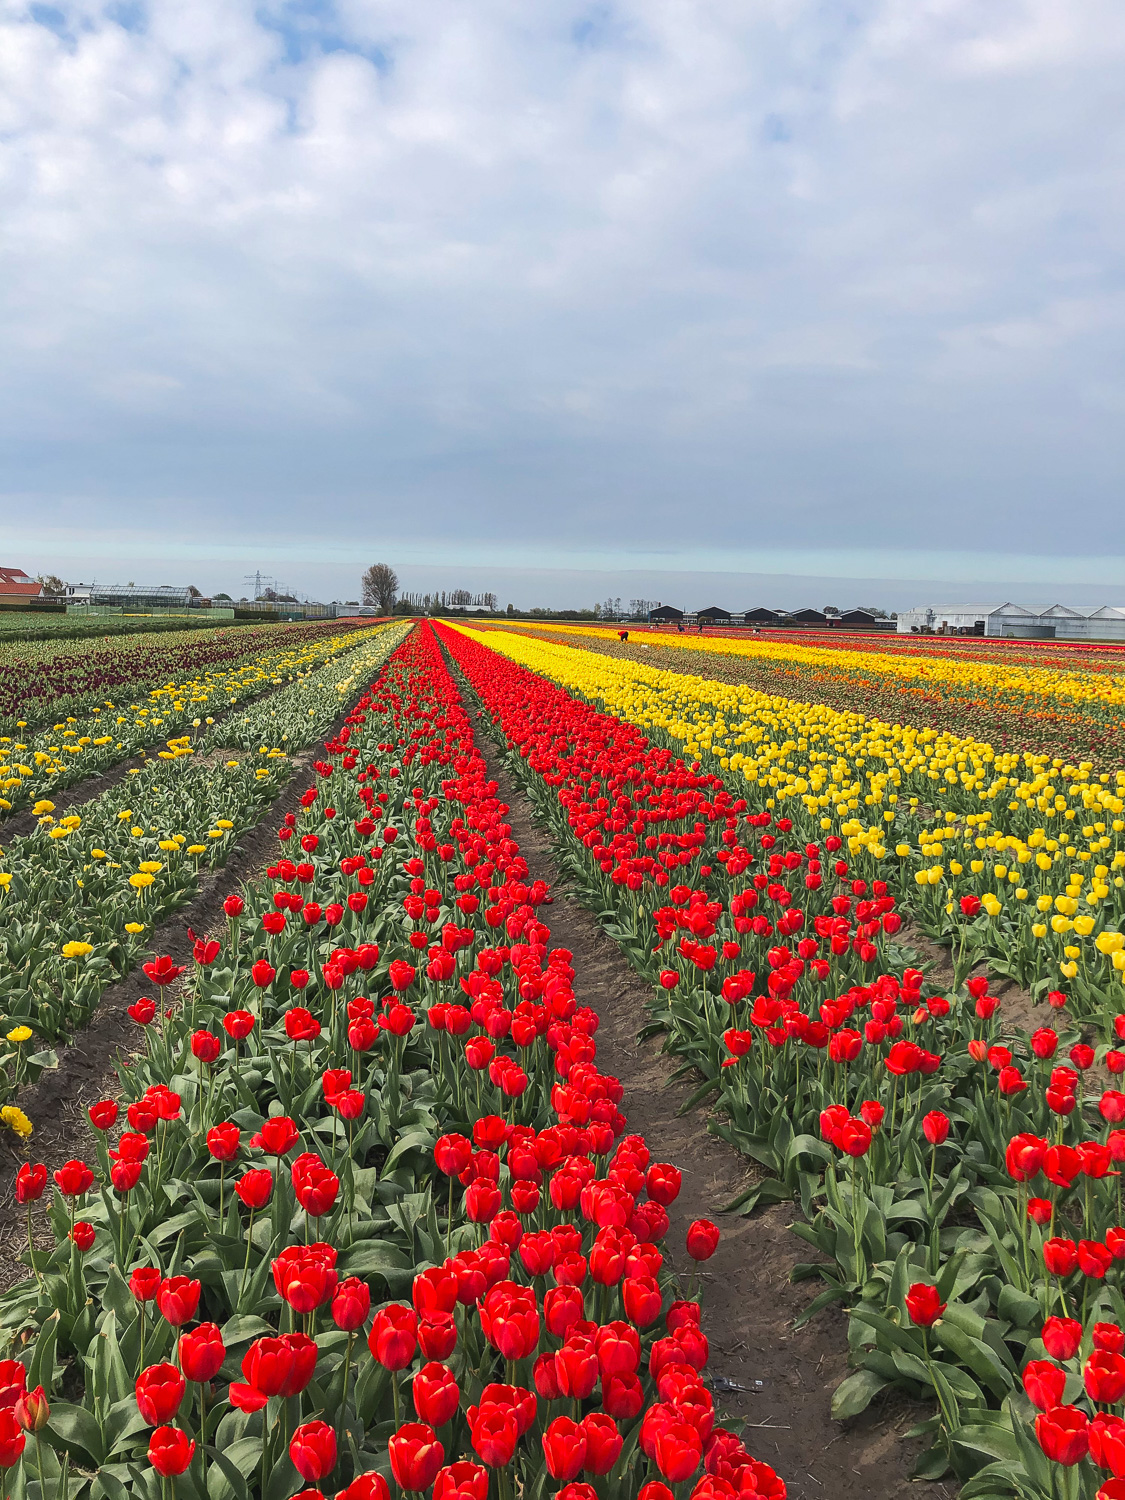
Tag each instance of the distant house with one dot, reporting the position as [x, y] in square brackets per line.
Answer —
[713, 615]
[665, 614]
[15, 584]
[857, 617]
[808, 617]
[761, 616]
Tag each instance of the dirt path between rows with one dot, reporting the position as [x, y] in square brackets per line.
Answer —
[773, 1382]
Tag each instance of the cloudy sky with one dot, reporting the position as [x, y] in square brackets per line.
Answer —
[567, 298]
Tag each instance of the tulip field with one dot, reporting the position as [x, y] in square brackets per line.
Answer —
[358, 1214]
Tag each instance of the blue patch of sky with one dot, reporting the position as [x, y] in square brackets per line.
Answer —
[775, 129]
[311, 28]
[130, 15]
[594, 29]
[53, 18]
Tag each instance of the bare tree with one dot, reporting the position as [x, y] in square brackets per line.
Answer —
[380, 586]
[52, 583]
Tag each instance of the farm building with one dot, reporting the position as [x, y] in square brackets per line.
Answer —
[1009, 621]
[762, 616]
[808, 617]
[713, 615]
[665, 614]
[130, 596]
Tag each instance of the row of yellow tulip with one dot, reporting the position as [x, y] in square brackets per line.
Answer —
[997, 678]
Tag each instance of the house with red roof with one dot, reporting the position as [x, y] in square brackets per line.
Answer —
[14, 583]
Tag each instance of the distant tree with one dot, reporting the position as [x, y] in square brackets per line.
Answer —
[380, 587]
[830, 609]
[52, 583]
[511, 609]
[194, 592]
[223, 596]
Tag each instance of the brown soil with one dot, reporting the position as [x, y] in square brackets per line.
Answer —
[1018, 1011]
[771, 1380]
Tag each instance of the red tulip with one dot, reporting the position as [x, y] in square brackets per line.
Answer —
[238, 1024]
[924, 1304]
[1063, 1434]
[170, 1451]
[162, 970]
[394, 1337]
[202, 1353]
[205, 1046]
[1060, 1256]
[144, 1283]
[1044, 1382]
[177, 1299]
[935, 1127]
[1104, 1377]
[416, 1456]
[277, 1136]
[702, 1239]
[436, 1394]
[31, 1182]
[312, 1449]
[603, 1442]
[1061, 1337]
[678, 1451]
[369, 1486]
[159, 1391]
[268, 1365]
[84, 1234]
[437, 1335]
[73, 1179]
[564, 1448]
[315, 1185]
[12, 1440]
[854, 1138]
[351, 1304]
[452, 1154]
[460, 1481]
[255, 1187]
[494, 1430]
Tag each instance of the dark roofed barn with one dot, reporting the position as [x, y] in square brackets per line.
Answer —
[808, 617]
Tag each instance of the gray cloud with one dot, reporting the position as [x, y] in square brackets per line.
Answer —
[610, 278]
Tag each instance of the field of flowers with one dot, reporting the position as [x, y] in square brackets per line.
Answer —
[360, 1213]
[176, 685]
[398, 1240]
[1061, 700]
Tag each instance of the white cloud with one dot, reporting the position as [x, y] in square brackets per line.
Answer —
[576, 270]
